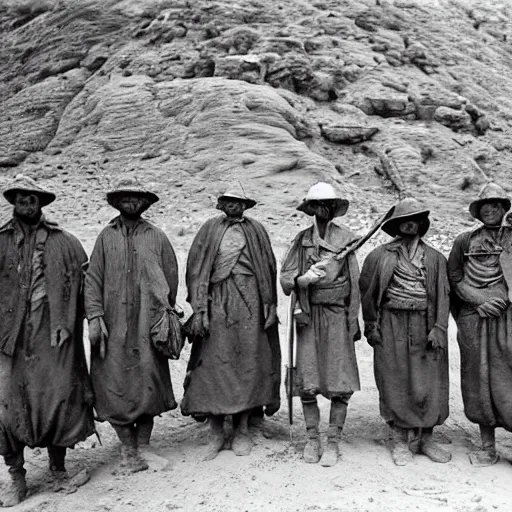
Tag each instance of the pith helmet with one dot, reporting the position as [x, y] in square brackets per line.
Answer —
[323, 192]
[129, 185]
[237, 192]
[489, 192]
[406, 209]
[23, 183]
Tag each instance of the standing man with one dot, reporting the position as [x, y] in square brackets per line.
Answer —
[235, 361]
[479, 268]
[45, 394]
[405, 298]
[130, 286]
[328, 297]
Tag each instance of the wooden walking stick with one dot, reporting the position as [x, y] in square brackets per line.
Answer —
[290, 368]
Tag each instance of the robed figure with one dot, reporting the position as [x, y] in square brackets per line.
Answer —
[405, 302]
[480, 266]
[235, 361]
[130, 287]
[46, 397]
[328, 303]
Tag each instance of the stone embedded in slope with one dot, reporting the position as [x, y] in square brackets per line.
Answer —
[457, 120]
[29, 120]
[347, 134]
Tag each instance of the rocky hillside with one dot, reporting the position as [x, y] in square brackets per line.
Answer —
[380, 96]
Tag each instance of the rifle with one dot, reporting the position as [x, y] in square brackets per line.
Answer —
[290, 368]
[358, 242]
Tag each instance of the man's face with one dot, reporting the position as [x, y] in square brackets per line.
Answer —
[492, 213]
[409, 228]
[131, 205]
[232, 208]
[27, 206]
[323, 210]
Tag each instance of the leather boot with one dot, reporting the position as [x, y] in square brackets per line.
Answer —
[400, 451]
[337, 417]
[241, 443]
[216, 437]
[312, 417]
[487, 455]
[131, 459]
[16, 490]
[57, 459]
[432, 450]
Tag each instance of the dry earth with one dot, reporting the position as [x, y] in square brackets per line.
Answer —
[377, 96]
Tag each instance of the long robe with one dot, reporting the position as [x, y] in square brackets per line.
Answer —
[485, 343]
[326, 360]
[45, 393]
[131, 282]
[231, 276]
[412, 379]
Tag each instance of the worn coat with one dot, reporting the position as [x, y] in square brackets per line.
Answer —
[131, 281]
[412, 379]
[485, 343]
[238, 365]
[45, 393]
[326, 360]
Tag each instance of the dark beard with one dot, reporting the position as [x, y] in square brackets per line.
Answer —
[30, 220]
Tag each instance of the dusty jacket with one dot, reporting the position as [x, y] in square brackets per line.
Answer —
[63, 260]
[376, 275]
[296, 264]
[204, 250]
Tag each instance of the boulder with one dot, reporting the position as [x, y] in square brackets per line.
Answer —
[457, 120]
[216, 127]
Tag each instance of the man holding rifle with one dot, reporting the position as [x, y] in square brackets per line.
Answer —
[326, 313]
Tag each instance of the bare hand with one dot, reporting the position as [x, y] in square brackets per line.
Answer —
[200, 325]
[374, 338]
[492, 308]
[312, 276]
[437, 339]
[270, 315]
[98, 334]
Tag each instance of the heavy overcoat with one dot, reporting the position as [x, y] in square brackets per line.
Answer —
[237, 366]
[45, 392]
[131, 281]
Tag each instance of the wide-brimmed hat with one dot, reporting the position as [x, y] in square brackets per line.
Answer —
[489, 192]
[407, 209]
[25, 184]
[130, 186]
[237, 192]
[323, 192]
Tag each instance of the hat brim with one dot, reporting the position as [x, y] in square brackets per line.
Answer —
[116, 194]
[474, 207]
[392, 226]
[250, 203]
[45, 198]
[341, 209]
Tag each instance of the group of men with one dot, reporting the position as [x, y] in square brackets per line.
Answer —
[128, 289]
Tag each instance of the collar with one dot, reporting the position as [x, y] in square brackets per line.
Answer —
[117, 223]
[14, 224]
